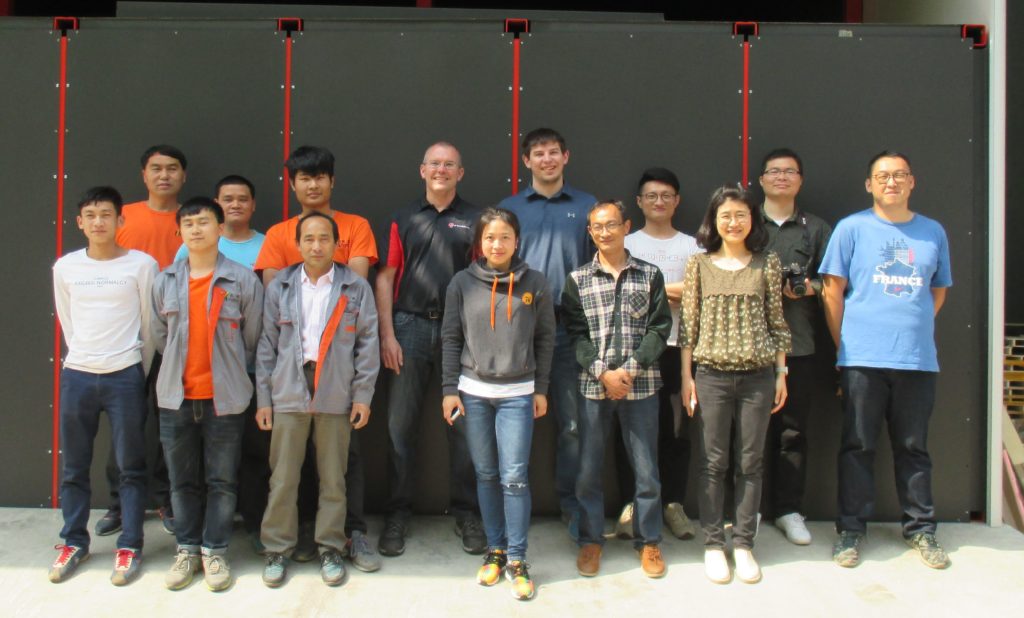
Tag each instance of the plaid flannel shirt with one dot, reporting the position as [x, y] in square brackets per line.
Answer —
[617, 323]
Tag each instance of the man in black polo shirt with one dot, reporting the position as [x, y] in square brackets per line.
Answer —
[429, 241]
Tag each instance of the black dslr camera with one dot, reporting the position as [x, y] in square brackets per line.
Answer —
[796, 275]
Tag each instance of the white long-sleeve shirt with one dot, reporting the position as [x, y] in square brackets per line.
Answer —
[104, 308]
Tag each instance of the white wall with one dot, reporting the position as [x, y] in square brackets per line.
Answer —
[928, 11]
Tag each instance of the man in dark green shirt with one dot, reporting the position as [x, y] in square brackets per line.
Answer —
[799, 238]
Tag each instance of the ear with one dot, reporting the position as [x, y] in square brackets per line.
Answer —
[81, 222]
[627, 225]
[867, 185]
[565, 157]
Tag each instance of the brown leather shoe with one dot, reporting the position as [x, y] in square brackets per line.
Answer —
[651, 561]
[588, 562]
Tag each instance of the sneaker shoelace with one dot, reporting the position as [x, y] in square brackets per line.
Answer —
[471, 526]
[66, 553]
[330, 558]
[214, 564]
[123, 559]
[652, 552]
[181, 563]
[276, 560]
[360, 545]
[518, 569]
[392, 528]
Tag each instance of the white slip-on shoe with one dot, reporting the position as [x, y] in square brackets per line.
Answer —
[716, 567]
[747, 569]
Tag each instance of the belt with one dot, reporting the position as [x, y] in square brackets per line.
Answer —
[430, 315]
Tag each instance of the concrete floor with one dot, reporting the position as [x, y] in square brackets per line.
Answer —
[435, 578]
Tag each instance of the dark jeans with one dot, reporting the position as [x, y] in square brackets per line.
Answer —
[420, 339]
[673, 448]
[785, 470]
[737, 404]
[564, 396]
[196, 440]
[903, 400]
[638, 419]
[83, 395]
[159, 485]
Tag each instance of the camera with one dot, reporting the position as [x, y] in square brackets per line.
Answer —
[796, 275]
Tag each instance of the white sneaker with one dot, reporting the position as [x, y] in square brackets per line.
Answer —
[716, 567]
[747, 569]
[624, 527]
[792, 524]
[678, 522]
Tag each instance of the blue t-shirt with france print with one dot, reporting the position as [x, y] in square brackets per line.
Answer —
[890, 268]
[244, 252]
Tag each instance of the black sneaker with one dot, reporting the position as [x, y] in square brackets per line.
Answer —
[306, 549]
[931, 552]
[846, 550]
[109, 523]
[392, 539]
[474, 541]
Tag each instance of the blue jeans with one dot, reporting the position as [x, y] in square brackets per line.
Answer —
[420, 339]
[903, 400]
[565, 398]
[83, 395]
[196, 439]
[500, 432]
[638, 419]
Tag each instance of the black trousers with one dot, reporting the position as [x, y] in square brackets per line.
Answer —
[785, 463]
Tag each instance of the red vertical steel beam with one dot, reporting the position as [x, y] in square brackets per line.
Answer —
[288, 25]
[515, 115]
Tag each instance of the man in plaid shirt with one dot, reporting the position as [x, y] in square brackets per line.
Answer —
[617, 314]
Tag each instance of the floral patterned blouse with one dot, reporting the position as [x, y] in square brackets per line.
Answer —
[732, 319]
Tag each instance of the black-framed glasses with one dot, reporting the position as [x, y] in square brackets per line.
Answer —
[654, 197]
[883, 178]
[775, 172]
[612, 227]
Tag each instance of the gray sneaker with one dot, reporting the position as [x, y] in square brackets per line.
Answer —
[846, 550]
[362, 554]
[216, 571]
[678, 522]
[274, 570]
[185, 566]
[332, 568]
[931, 552]
[624, 526]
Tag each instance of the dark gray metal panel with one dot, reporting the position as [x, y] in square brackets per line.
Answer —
[630, 98]
[1014, 164]
[377, 95]
[28, 158]
[838, 95]
[213, 90]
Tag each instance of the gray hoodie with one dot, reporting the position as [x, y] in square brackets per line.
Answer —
[498, 327]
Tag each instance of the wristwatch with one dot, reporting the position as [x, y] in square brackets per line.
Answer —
[784, 370]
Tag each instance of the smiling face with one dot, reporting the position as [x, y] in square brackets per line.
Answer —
[890, 183]
[317, 243]
[441, 168]
[658, 201]
[163, 176]
[313, 191]
[498, 244]
[99, 222]
[201, 231]
[781, 178]
[607, 229]
[546, 161]
[238, 204]
[733, 221]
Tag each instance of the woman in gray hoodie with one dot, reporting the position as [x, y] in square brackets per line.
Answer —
[498, 336]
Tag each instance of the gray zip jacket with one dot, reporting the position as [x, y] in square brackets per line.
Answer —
[499, 327]
[235, 301]
[349, 348]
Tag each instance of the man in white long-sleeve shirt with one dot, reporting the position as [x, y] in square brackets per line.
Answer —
[102, 296]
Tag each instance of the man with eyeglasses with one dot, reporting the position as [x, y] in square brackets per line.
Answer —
[428, 242]
[553, 220]
[661, 244]
[886, 274]
[616, 312]
[799, 239]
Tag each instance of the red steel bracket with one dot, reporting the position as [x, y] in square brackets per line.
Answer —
[517, 25]
[978, 32]
[289, 24]
[744, 28]
[65, 23]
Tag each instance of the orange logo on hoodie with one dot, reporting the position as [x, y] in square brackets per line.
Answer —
[527, 299]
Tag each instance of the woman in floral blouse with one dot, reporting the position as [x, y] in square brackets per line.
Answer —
[734, 331]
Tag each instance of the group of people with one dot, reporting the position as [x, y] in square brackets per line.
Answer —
[545, 301]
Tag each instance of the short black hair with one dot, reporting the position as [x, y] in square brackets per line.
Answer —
[312, 160]
[608, 202]
[234, 179]
[101, 193]
[490, 215]
[196, 205]
[781, 153]
[542, 136]
[167, 151]
[887, 154]
[657, 174]
[310, 215]
[708, 237]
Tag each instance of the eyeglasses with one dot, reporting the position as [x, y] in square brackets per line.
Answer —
[450, 166]
[739, 217]
[883, 178]
[653, 197]
[612, 227]
[775, 172]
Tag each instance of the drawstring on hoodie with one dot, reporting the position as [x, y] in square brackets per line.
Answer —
[494, 296]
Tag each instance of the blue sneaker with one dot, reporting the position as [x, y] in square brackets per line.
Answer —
[127, 563]
[274, 570]
[332, 568]
[67, 561]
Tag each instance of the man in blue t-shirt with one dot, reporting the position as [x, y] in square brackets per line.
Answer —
[554, 240]
[886, 271]
[239, 242]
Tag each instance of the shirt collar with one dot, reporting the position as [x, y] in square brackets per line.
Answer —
[565, 193]
[792, 217]
[630, 262]
[454, 206]
[304, 278]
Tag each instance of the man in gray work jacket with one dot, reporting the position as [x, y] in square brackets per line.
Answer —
[207, 314]
[316, 367]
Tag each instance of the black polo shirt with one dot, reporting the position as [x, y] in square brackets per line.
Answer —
[427, 248]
